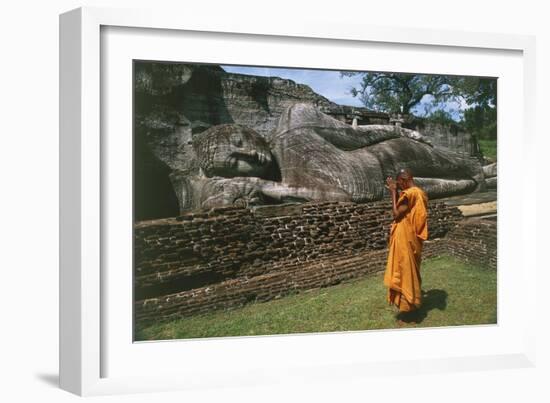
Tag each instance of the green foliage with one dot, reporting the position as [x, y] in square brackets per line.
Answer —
[488, 148]
[477, 91]
[441, 116]
[456, 294]
[481, 121]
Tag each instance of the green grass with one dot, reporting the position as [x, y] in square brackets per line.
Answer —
[489, 149]
[456, 294]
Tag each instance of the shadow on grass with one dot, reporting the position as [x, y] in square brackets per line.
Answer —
[432, 299]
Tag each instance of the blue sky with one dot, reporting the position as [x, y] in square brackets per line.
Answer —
[329, 84]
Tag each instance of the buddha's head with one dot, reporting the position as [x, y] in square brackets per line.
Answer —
[232, 150]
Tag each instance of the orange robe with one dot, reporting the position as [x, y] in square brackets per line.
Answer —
[402, 276]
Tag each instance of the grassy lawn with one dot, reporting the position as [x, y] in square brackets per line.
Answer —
[489, 148]
[455, 294]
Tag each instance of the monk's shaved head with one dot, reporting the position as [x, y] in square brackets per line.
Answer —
[404, 179]
[404, 173]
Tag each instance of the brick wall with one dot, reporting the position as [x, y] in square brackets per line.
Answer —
[227, 257]
[474, 241]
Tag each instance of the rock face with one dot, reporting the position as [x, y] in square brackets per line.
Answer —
[176, 101]
[231, 139]
[447, 137]
[194, 97]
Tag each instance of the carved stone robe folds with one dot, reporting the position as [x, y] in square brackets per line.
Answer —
[402, 276]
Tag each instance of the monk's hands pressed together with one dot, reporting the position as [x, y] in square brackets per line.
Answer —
[390, 184]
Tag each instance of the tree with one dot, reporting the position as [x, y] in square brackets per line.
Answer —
[481, 121]
[401, 92]
[480, 118]
[398, 92]
[477, 91]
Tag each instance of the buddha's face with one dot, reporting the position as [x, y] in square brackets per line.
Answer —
[231, 151]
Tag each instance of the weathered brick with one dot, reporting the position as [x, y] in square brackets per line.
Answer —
[313, 245]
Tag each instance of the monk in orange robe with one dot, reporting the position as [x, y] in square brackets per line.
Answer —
[409, 230]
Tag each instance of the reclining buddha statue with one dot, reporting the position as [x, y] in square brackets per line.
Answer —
[311, 156]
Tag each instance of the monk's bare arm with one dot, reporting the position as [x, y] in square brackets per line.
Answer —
[398, 212]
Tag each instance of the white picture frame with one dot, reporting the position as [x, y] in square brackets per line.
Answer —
[89, 337]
